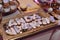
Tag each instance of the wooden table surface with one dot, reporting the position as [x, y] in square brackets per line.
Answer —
[31, 6]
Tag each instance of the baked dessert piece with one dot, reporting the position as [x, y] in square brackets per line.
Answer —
[11, 31]
[35, 16]
[18, 21]
[12, 22]
[38, 22]
[51, 18]
[28, 18]
[29, 26]
[20, 28]
[44, 21]
[24, 27]
[47, 20]
[22, 20]
[16, 29]
[33, 24]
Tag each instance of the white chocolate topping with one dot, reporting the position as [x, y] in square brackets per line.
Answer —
[18, 21]
[35, 16]
[29, 26]
[28, 18]
[20, 28]
[44, 21]
[10, 22]
[14, 23]
[33, 24]
[13, 31]
[47, 20]
[38, 21]
[24, 26]
[22, 20]
[52, 19]
[37, 24]
[8, 31]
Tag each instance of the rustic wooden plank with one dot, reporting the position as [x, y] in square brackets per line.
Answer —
[6, 37]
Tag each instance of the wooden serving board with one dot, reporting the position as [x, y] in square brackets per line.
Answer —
[30, 32]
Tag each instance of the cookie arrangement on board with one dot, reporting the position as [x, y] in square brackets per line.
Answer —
[21, 25]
